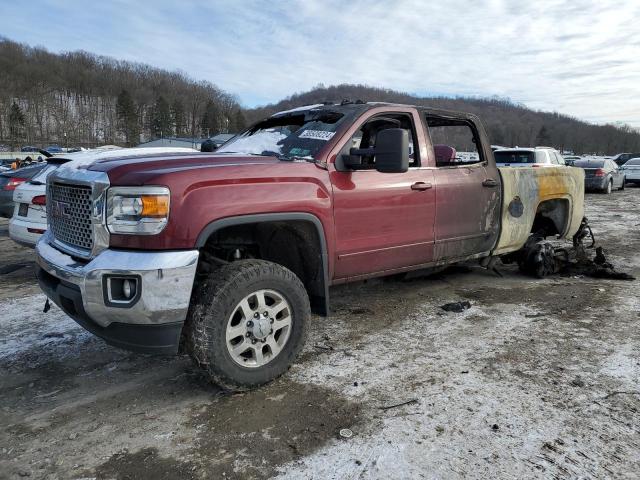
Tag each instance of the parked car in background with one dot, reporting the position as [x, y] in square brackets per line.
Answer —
[29, 220]
[571, 159]
[528, 157]
[622, 158]
[631, 171]
[602, 175]
[9, 181]
[54, 149]
[29, 149]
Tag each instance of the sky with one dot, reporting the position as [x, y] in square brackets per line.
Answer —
[579, 57]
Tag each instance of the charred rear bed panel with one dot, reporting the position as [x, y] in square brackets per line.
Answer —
[525, 189]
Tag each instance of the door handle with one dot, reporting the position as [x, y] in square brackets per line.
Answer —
[421, 186]
[490, 182]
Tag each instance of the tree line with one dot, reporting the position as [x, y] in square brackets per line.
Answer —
[81, 99]
[507, 123]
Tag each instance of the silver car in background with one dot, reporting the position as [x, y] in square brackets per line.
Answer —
[631, 171]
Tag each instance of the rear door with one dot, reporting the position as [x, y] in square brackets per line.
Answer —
[468, 190]
[383, 221]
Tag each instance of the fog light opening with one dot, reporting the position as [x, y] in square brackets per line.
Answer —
[121, 291]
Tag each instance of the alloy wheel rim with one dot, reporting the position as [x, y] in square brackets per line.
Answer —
[258, 328]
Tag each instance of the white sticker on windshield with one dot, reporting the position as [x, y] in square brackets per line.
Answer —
[317, 135]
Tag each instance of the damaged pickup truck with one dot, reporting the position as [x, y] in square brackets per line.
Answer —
[224, 255]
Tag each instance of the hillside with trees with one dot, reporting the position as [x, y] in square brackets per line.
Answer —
[81, 99]
[507, 123]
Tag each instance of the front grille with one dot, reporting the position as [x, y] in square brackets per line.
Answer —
[69, 212]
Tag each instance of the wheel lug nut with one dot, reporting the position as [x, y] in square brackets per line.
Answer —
[256, 315]
[272, 320]
[266, 314]
[249, 323]
[264, 340]
[248, 334]
[253, 341]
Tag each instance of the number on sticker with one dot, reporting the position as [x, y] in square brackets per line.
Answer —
[317, 135]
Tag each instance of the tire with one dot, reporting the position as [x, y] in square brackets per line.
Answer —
[217, 308]
[609, 188]
[624, 180]
[537, 258]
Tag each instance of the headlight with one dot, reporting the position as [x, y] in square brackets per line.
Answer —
[137, 210]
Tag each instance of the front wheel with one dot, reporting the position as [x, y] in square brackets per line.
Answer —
[247, 322]
[624, 180]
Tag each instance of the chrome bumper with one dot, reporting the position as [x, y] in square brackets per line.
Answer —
[166, 282]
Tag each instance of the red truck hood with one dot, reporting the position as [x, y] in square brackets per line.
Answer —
[137, 170]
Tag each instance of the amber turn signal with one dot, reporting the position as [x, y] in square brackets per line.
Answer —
[155, 205]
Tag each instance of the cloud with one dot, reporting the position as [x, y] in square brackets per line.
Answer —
[579, 58]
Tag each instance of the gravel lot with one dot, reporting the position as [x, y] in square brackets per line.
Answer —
[539, 378]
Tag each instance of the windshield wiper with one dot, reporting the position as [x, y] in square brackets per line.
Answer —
[278, 155]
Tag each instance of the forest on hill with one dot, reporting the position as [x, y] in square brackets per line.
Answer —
[507, 123]
[81, 99]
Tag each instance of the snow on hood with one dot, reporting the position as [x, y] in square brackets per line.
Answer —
[86, 158]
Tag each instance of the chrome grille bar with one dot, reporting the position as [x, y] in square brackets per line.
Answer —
[69, 210]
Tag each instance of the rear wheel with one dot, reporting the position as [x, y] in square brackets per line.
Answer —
[609, 187]
[247, 322]
[537, 258]
[624, 180]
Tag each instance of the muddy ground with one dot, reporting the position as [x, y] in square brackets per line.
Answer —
[539, 378]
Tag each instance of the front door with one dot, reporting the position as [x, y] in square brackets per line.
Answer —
[383, 221]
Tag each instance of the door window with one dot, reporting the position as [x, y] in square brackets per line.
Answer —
[454, 142]
[365, 138]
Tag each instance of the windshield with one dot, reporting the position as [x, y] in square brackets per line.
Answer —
[514, 157]
[291, 136]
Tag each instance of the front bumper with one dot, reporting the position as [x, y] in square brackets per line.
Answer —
[151, 324]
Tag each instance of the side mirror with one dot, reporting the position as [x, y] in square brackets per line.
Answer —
[392, 150]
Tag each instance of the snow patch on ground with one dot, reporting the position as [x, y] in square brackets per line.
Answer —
[27, 328]
[624, 365]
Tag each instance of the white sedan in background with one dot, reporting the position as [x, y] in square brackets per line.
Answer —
[631, 171]
[29, 219]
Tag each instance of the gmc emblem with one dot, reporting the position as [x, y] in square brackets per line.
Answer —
[60, 209]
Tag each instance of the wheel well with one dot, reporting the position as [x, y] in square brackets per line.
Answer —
[552, 217]
[294, 244]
